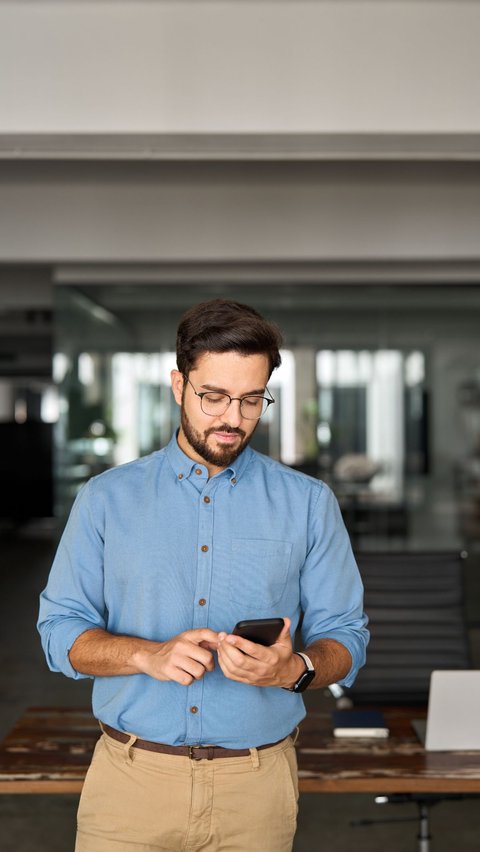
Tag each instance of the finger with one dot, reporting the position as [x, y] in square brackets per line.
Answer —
[231, 672]
[190, 658]
[195, 669]
[201, 634]
[249, 672]
[239, 666]
[234, 657]
[190, 666]
[253, 649]
[209, 667]
[210, 646]
[201, 655]
[181, 677]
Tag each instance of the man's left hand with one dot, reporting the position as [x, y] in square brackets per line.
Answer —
[258, 665]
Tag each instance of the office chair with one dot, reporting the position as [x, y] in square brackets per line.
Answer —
[415, 603]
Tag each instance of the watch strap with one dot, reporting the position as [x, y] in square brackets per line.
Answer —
[306, 677]
[309, 667]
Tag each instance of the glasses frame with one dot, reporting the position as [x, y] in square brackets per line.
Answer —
[231, 399]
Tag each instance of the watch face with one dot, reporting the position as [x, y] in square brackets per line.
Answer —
[304, 681]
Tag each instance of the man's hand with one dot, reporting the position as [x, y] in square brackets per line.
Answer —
[247, 662]
[184, 658]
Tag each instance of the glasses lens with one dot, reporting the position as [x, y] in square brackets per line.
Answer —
[215, 403]
[252, 407]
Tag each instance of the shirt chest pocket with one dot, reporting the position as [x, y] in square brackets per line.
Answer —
[258, 571]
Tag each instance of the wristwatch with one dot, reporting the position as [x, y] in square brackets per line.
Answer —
[306, 677]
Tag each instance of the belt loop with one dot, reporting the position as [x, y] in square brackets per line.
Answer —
[295, 735]
[254, 757]
[128, 746]
[128, 749]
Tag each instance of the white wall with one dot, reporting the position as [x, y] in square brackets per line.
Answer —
[147, 212]
[239, 65]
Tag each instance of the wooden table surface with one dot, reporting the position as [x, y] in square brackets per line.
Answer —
[396, 764]
[49, 750]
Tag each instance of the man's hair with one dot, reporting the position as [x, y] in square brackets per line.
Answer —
[225, 326]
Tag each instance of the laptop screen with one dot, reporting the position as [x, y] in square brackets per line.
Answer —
[453, 720]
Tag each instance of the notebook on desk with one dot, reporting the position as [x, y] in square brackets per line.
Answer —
[453, 717]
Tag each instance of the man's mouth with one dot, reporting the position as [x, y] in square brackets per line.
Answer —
[227, 437]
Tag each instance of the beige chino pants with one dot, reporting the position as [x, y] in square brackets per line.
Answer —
[147, 802]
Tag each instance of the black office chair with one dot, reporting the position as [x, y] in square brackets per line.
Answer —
[415, 603]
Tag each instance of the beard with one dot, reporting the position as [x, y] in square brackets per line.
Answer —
[220, 457]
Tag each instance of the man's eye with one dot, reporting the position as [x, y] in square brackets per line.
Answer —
[252, 401]
[215, 398]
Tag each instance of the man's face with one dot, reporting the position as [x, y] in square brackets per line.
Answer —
[218, 440]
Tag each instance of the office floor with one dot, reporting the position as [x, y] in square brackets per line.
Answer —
[47, 823]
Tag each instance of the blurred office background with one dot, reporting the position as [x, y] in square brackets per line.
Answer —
[318, 160]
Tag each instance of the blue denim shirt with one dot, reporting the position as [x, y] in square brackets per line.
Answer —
[145, 553]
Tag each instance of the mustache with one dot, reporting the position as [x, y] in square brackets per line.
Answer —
[230, 430]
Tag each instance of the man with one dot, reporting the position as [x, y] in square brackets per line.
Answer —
[159, 560]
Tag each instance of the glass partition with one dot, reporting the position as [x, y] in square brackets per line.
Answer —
[378, 394]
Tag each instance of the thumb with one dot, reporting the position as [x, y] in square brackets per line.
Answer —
[285, 638]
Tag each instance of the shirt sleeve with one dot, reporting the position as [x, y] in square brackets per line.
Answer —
[330, 586]
[73, 600]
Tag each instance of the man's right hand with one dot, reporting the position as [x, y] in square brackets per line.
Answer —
[184, 658]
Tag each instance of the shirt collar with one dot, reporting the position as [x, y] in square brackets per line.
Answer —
[183, 465]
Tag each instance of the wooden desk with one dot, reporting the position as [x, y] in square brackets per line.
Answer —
[397, 764]
[49, 751]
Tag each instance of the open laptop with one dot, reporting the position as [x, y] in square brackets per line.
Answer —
[453, 718]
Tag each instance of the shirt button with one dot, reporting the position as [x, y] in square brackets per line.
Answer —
[204, 547]
[206, 499]
[180, 475]
[193, 709]
[198, 471]
[202, 602]
[233, 481]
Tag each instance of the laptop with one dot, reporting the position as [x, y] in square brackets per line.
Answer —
[453, 718]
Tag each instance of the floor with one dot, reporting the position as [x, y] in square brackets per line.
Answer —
[47, 823]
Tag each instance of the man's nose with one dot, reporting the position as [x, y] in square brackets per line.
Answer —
[233, 415]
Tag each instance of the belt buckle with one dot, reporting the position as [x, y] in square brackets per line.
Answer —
[208, 749]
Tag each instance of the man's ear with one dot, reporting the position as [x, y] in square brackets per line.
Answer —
[177, 385]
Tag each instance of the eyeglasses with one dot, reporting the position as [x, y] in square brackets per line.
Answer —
[215, 404]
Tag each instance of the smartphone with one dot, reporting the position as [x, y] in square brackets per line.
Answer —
[263, 631]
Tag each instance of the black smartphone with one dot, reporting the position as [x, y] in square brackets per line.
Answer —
[263, 631]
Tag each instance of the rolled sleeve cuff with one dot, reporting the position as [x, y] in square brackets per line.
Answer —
[355, 645]
[61, 641]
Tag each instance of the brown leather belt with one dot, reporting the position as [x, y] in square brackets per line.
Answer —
[194, 752]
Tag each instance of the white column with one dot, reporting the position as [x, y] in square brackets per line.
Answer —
[385, 436]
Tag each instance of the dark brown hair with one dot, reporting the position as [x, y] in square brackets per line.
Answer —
[224, 326]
